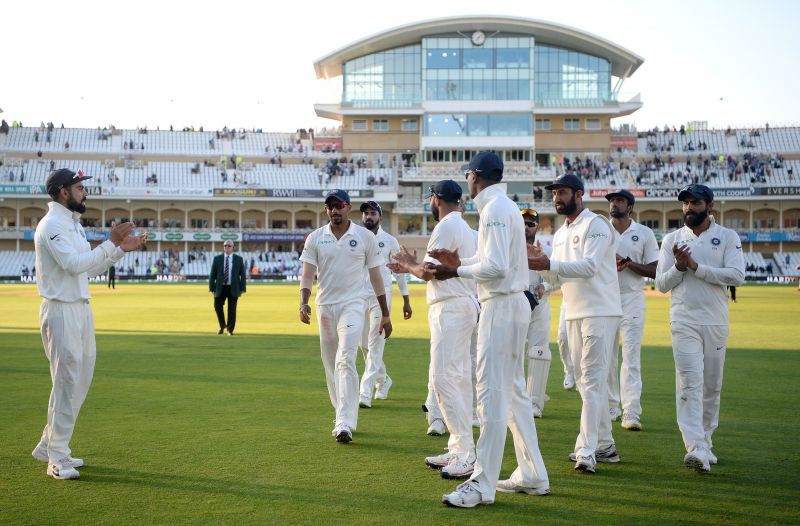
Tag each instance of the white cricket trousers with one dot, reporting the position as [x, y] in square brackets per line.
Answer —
[699, 352]
[539, 356]
[340, 327]
[451, 324]
[590, 343]
[68, 338]
[503, 401]
[372, 346]
[627, 380]
[563, 341]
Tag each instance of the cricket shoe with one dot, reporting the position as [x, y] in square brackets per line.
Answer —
[537, 411]
[343, 434]
[439, 461]
[60, 472]
[712, 458]
[506, 486]
[364, 401]
[607, 455]
[382, 390]
[614, 413]
[585, 464]
[437, 428]
[697, 460]
[631, 422]
[458, 468]
[569, 382]
[466, 495]
[40, 453]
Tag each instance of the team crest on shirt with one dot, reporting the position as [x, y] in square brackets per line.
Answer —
[575, 240]
[353, 242]
[715, 241]
[634, 238]
[380, 244]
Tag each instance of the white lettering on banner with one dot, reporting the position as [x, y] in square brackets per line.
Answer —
[283, 192]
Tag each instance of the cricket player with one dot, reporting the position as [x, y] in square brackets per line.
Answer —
[339, 253]
[500, 271]
[538, 337]
[372, 342]
[584, 263]
[452, 316]
[65, 262]
[695, 264]
[637, 258]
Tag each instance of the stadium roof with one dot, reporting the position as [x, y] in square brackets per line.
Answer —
[623, 61]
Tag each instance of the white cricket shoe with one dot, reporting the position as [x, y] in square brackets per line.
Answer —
[697, 460]
[506, 486]
[466, 495]
[585, 464]
[364, 401]
[712, 458]
[614, 413]
[607, 455]
[631, 422]
[569, 381]
[438, 461]
[437, 428]
[458, 468]
[343, 434]
[382, 390]
[40, 453]
[62, 472]
[537, 411]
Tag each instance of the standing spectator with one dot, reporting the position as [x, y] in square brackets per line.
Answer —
[696, 263]
[228, 281]
[112, 277]
[584, 264]
[66, 261]
[340, 253]
[499, 268]
[637, 258]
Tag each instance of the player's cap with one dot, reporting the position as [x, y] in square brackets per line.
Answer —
[530, 212]
[568, 181]
[448, 190]
[698, 191]
[63, 178]
[487, 165]
[338, 195]
[621, 193]
[371, 205]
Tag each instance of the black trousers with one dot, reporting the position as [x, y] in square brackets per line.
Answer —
[111, 282]
[219, 301]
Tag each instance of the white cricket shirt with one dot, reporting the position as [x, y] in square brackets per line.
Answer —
[638, 243]
[501, 265]
[584, 262]
[64, 259]
[700, 297]
[387, 245]
[341, 263]
[451, 233]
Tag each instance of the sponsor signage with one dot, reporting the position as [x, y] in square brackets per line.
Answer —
[624, 142]
[153, 190]
[602, 192]
[286, 193]
[778, 190]
[22, 189]
[172, 236]
[274, 237]
[201, 237]
[230, 236]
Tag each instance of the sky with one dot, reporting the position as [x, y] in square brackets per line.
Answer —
[249, 64]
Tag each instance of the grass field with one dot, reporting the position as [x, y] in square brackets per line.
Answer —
[184, 426]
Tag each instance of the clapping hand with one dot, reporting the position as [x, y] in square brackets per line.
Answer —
[537, 259]
[683, 258]
[448, 258]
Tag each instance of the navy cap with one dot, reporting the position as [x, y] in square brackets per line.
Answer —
[371, 205]
[698, 191]
[63, 178]
[339, 195]
[487, 165]
[568, 180]
[448, 190]
[621, 193]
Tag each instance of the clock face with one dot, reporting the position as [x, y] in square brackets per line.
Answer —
[478, 38]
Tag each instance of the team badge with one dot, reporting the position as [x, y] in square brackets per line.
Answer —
[381, 244]
[353, 242]
[635, 238]
[715, 241]
[575, 240]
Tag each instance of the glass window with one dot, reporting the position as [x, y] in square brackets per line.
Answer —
[509, 125]
[444, 58]
[572, 124]
[359, 124]
[478, 125]
[513, 58]
[542, 124]
[479, 58]
[380, 125]
[409, 125]
[445, 125]
[592, 124]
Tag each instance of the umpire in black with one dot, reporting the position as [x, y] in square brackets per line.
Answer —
[227, 281]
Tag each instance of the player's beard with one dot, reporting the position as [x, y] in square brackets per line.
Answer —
[617, 214]
[531, 239]
[696, 220]
[76, 206]
[435, 212]
[371, 224]
[569, 207]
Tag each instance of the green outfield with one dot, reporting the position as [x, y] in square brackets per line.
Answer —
[184, 426]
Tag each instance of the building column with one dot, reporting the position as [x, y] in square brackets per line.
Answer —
[424, 224]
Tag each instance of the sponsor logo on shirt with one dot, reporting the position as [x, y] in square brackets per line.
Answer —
[597, 234]
[490, 224]
[575, 240]
[326, 242]
[53, 237]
